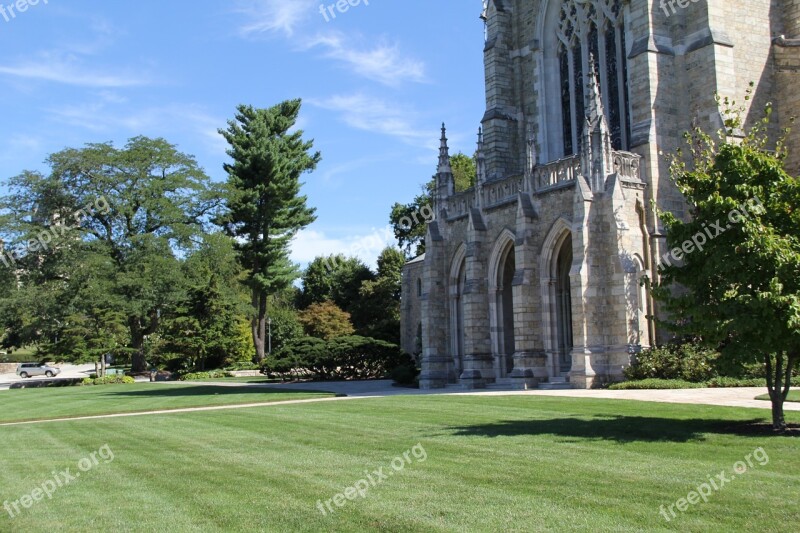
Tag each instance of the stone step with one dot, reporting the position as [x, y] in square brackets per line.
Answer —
[555, 386]
[559, 379]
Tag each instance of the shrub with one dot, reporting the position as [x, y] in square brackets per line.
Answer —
[721, 382]
[243, 365]
[688, 362]
[653, 383]
[404, 375]
[109, 380]
[199, 376]
[350, 357]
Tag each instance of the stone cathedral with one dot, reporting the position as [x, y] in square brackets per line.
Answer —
[532, 277]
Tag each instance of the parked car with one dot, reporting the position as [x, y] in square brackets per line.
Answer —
[27, 370]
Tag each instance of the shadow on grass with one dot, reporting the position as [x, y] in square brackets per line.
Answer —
[622, 428]
[178, 391]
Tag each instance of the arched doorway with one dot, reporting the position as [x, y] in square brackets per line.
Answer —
[505, 313]
[458, 279]
[563, 306]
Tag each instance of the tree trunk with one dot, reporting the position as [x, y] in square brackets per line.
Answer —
[259, 323]
[779, 381]
[138, 362]
[103, 366]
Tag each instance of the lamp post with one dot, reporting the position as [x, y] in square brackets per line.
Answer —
[269, 324]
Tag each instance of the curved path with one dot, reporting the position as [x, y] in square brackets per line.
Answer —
[354, 390]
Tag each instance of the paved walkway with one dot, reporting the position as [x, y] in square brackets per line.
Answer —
[727, 397]
[354, 390]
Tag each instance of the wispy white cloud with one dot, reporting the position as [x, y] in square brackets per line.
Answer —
[70, 70]
[383, 63]
[102, 117]
[273, 16]
[366, 245]
[378, 116]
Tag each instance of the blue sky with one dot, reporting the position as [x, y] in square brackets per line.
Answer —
[377, 82]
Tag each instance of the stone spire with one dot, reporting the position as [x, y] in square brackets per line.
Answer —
[445, 181]
[444, 152]
[596, 153]
[480, 160]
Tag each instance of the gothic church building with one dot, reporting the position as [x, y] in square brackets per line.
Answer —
[532, 277]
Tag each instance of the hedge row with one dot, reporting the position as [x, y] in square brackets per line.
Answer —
[108, 380]
[350, 357]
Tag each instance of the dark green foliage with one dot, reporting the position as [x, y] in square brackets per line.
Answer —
[265, 209]
[200, 376]
[404, 374]
[285, 325]
[340, 358]
[743, 382]
[205, 330]
[116, 219]
[688, 362]
[380, 299]
[337, 279]
[108, 380]
[744, 283]
[653, 383]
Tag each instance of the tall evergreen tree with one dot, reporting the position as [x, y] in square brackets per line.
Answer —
[265, 209]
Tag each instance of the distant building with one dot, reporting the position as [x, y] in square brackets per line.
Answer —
[533, 276]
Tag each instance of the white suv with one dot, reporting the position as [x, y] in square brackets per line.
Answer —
[26, 370]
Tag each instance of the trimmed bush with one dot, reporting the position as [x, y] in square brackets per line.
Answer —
[404, 375]
[109, 380]
[720, 382]
[653, 383]
[243, 365]
[199, 376]
[688, 362]
[350, 357]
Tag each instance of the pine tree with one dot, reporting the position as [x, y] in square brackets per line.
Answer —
[265, 209]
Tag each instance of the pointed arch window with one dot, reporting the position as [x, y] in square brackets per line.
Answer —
[593, 29]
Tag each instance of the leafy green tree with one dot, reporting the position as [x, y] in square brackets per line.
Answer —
[408, 221]
[90, 335]
[121, 215]
[205, 329]
[381, 298]
[739, 255]
[285, 325]
[265, 209]
[326, 321]
[336, 278]
[464, 171]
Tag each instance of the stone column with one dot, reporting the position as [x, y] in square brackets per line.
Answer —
[435, 355]
[478, 360]
[530, 361]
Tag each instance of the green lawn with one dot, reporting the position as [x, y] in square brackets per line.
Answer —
[37, 404]
[794, 396]
[494, 463]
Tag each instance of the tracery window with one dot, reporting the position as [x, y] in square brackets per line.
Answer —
[593, 29]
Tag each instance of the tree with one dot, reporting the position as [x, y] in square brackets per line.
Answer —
[205, 328]
[120, 216]
[464, 171]
[336, 278]
[739, 255]
[326, 321]
[264, 209]
[413, 235]
[381, 298]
